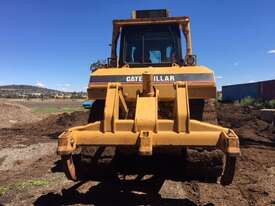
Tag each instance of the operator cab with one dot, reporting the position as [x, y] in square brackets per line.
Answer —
[151, 38]
[150, 45]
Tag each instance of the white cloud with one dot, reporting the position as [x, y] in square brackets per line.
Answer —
[40, 84]
[219, 77]
[236, 63]
[67, 85]
[272, 51]
[251, 81]
[64, 89]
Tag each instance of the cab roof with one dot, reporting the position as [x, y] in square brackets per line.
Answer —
[157, 20]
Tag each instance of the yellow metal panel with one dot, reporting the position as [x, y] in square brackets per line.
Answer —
[182, 107]
[201, 134]
[166, 91]
[110, 110]
[145, 114]
[125, 125]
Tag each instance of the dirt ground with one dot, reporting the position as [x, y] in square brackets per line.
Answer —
[31, 172]
[15, 114]
[18, 111]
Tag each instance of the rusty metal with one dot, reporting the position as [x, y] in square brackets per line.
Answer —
[148, 90]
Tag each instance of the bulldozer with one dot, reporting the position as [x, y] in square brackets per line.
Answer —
[149, 95]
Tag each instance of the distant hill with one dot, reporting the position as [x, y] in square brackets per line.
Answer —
[22, 91]
[27, 89]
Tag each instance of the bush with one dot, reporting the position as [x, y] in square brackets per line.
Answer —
[247, 101]
[271, 104]
[259, 104]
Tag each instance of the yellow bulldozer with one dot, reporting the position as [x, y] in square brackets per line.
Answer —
[148, 96]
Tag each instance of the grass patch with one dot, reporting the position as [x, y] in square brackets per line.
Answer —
[247, 101]
[271, 104]
[31, 183]
[3, 190]
[28, 184]
[258, 103]
[57, 110]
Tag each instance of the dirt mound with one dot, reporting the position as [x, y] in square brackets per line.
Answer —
[246, 122]
[14, 113]
[56, 124]
[43, 130]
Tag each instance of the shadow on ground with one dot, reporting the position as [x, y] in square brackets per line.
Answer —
[111, 192]
[134, 180]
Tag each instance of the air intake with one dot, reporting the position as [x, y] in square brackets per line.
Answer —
[156, 13]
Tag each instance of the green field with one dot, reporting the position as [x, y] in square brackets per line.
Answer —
[56, 109]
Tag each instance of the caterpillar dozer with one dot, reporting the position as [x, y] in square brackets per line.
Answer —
[148, 96]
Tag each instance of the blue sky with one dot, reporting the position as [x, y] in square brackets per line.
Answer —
[53, 42]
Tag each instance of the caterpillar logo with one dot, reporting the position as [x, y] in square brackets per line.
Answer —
[157, 78]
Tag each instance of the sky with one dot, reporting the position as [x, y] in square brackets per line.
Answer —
[51, 43]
